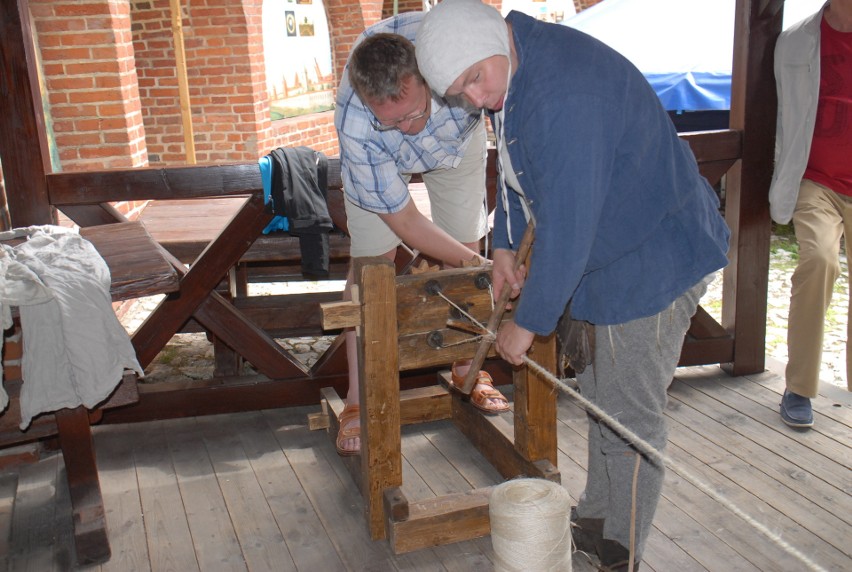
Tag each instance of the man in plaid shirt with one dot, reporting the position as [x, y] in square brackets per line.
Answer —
[390, 125]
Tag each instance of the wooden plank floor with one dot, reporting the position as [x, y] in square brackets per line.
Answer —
[259, 491]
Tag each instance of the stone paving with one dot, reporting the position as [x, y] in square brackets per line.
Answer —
[189, 356]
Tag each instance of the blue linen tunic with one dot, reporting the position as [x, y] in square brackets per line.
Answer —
[624, 221]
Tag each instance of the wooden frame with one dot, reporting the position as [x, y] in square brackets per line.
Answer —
[401, 324]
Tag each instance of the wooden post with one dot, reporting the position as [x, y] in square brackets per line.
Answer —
[78, 451]
[753, 109]
[535, 405]
[23, 139]
[378, 366]
[5, 220]
[183, 84]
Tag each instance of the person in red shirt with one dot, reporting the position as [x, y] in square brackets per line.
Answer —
[812, 184]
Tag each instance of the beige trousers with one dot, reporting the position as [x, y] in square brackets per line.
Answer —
[821, 218]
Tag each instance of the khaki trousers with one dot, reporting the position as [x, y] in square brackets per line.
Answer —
[821, 218]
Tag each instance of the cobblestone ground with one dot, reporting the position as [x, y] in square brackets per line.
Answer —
[189, 356]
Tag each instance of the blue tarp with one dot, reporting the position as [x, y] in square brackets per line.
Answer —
[683, 47]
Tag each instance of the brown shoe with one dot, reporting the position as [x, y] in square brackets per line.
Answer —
[615, 557]
[586, 532]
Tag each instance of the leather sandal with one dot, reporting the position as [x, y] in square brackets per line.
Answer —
[480, 397]
[349, 414]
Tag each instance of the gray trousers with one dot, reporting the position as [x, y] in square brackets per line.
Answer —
[633, 367]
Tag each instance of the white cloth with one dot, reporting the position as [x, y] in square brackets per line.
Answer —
[797, 75]
[456, 34]
[75, 349]
[19, 286]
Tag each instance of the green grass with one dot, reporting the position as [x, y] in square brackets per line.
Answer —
[168, 354]
[784, 251]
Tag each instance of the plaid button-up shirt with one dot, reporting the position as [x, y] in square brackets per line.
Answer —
[373, 163]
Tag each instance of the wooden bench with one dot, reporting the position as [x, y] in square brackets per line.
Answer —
[137, 268]
[185, 228]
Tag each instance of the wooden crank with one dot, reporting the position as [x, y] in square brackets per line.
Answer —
[497, 314]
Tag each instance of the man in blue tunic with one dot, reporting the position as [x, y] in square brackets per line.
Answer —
[627, 231]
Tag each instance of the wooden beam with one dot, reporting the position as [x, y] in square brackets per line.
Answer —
[430, 523]
[535, 405]
[708, 146]
[163, 183]
[23, 139]
[493, 436]
[378, 367]
[78, 451]
[183, 82]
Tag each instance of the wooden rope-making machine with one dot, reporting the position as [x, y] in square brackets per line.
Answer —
[428, 320]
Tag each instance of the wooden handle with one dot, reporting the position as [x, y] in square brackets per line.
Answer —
[497, 314]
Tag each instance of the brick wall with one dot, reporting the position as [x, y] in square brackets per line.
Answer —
[225, 61]
[111, 79]
[90, 78]
[224, 73]
[90, 81]
[402, 6]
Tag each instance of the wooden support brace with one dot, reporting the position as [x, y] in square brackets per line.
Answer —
[378, 363]
[441, 520]
[535, 405]
[493, 436]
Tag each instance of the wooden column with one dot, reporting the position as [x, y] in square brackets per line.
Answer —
[378, 366]
[23, 142]
[753, 108]
[535, 405]
[78, 451]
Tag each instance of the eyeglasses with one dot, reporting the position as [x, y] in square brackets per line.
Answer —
[378, 126]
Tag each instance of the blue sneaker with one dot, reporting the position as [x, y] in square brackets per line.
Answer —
[796, 410]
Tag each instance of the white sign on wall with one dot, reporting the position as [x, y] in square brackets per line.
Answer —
[297, 52]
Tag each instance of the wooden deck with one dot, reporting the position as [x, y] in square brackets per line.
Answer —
[259, 491]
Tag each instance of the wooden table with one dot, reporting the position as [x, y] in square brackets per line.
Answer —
[138, 268]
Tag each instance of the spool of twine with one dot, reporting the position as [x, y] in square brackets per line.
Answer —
[530, 526]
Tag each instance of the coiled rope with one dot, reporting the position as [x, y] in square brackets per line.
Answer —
[530, 526]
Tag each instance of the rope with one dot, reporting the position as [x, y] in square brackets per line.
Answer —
[662, 459]
[464, 313]
[649, 451]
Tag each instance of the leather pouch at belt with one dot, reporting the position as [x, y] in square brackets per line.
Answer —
[576, 343]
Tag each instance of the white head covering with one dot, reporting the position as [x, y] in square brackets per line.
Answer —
[453, 36]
